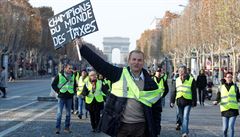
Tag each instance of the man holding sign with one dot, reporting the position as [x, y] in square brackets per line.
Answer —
[72, 23]
[134, 104]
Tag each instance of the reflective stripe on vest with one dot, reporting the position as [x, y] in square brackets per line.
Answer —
[184, 89]
[126, 87]
[97, 94]
[66, 85]
[228, 98]
[80, 83]
[160, 85]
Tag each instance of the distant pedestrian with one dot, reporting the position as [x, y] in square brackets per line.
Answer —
[11, 76]
[65, 86]
[3, 82]
[215, 77]
[174, 77]
[185, 97]
[201, 85]
[81, 80]
[238, 76]
[228, 97]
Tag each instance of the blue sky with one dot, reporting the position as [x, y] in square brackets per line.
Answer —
[124, 18]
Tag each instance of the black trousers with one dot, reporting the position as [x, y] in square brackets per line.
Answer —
[3, 90]
[94, 118]
[201, 95]
[132, 130]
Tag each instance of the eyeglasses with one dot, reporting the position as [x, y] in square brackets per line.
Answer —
[229, 77]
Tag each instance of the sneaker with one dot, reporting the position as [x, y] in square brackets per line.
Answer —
[185, 135]
[94, 130]
[178, 127]
[57, 131]
[4, 96]
[80, 116]
[67, 130]
[98, 131]
[76, 112]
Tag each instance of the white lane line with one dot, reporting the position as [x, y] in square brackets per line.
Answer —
[13, 128]
[12, 97]
[13, 109]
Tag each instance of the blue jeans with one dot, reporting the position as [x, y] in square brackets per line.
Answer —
[184, 113]
[68, 104]
[228, 122]
[178, 121]
[80, 105]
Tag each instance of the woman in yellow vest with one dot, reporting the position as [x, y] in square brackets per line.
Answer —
[163, 86]
[92, 91]
[228, 98]
[80, 83]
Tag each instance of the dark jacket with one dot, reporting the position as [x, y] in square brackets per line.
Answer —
[201, 81]
[114, 107]
[230, 112]
[66, 95]
[182, 101]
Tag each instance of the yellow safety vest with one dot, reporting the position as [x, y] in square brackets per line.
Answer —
[97, 94]
[228, 98]
[127, 88]
[66, 85]
[160, 85]
[80, 83]
[184, 89]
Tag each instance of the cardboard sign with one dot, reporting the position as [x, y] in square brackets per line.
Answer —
[74, 22]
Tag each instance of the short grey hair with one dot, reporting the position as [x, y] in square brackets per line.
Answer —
[135, 51]
[183, 67]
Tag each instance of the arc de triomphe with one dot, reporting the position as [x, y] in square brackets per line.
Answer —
[110, 43]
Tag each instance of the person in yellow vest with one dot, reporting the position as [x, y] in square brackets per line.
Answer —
[162, 84]
[185, 97]
[93, 93]
[64, 84]
[133, 106]
[81, 80]
[228, 97]
[106, 85]
[163, 76]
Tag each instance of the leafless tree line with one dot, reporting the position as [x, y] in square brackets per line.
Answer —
[206, 29]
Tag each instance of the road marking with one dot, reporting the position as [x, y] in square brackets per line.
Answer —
[12, 97]
[13, 109]
[214, 133]
[11, 129]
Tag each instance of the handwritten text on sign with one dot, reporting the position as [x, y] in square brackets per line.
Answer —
[74, 22]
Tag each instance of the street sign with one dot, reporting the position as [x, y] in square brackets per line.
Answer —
[72, 23]
[208, 64]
